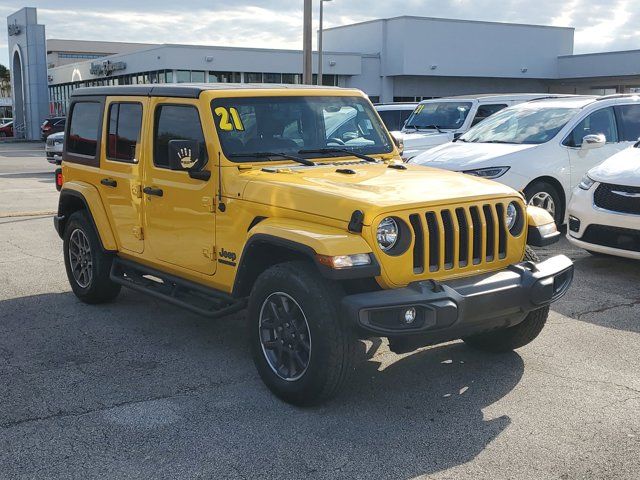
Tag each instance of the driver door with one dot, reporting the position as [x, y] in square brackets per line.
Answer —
[179, 218]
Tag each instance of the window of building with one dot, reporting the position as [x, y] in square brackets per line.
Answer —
[84, 128]
[485, 111]
[628, 122]
[251, 77]
[292, 78]
[168, 74]
[599, 122]
[176, 122]
[183, 76]
[81, 55]
[197, 77]
[374, 98]
[224, 77]
[125, 123]
[272, 78]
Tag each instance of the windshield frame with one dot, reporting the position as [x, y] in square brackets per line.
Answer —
[494, 120]
[387, 148]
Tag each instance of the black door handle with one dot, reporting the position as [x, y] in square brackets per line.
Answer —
[152, 191]
[109, 182]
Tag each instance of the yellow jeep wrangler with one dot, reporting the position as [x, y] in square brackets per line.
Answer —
[292, 201]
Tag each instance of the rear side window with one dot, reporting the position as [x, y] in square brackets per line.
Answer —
[175, 122]
[391, 119]
[125, 123]
[485, 111]
[599, 122]
[628, 122]
[84, 128]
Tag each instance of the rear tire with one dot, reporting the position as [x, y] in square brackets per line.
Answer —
[88, 266]
[519, 335]
[301, 347]
[544, 195]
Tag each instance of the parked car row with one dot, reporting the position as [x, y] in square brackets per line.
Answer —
[6, 127]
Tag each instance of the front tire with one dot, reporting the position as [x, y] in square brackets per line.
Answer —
[87, 265]
[546, 196]
[301, 346]
[519, 335]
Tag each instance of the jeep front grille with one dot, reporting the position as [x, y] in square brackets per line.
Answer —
[453, 238]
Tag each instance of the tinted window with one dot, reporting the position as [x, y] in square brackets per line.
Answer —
[125, 122]
[485, 111]
[629, 122]
[599, 122]
[449, 115]
[83, 132]
[176, 122]
[390, 118]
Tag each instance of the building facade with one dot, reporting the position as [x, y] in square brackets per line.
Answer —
[397, 59]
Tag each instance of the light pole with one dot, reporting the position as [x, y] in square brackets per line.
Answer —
[307, 75]
[320, 43]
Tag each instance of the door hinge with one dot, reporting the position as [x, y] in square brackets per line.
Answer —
[207, 202]
[136, 190]
[137, 232]
[210, 253]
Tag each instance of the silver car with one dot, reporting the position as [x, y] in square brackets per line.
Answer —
[53, 148]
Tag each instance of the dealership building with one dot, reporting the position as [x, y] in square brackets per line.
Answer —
[397, 59]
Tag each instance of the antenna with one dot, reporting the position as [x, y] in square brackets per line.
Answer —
[221, 206]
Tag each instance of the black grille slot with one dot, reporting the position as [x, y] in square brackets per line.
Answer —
[490, 235]
[612, 197]
[502, 231]
[477, 235]
[614, 237]
[463, 253]
[447, 224]
[434, 241]
[418, 244]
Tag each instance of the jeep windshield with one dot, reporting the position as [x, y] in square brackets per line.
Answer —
[522, 124]
[439, 115]
[301, 125]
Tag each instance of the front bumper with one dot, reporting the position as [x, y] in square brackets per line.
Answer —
[462, 307]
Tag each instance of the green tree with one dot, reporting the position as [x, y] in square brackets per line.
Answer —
[5, 81]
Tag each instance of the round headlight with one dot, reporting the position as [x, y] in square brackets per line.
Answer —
[387, 233]
[511, 216]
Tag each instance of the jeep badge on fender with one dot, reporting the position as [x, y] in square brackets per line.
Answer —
[290, 202]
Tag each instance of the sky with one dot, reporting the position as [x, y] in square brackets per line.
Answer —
[601, 25]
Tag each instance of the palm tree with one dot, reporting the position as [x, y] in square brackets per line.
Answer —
[5, 81]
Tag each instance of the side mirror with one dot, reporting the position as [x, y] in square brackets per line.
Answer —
[398, 141]
[185, 155]
[590, 142]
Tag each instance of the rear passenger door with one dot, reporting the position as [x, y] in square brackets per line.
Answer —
[123, 153]
[179, 217]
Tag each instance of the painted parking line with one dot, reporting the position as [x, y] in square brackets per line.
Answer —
[43, 213]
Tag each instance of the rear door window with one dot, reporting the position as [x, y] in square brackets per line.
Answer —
[84, 128]
[125, 123]
[628, 122]
[391, 119]
[485, 111]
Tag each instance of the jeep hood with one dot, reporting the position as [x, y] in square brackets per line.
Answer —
[372, 188]
[466, 156]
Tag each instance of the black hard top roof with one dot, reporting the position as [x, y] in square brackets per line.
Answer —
[183, 90]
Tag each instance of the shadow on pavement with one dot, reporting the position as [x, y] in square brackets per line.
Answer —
[191, 382]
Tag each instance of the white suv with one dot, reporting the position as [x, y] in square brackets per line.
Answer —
[438, 121]
[543, 148]
[604, 213]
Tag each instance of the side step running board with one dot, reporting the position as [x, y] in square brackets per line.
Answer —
[189, 295]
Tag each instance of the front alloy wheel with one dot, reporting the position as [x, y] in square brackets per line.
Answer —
[545, 201]
[285, 336]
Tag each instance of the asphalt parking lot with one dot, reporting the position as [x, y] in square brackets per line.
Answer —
[142, 389]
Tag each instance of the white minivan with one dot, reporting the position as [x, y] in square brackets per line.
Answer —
[440, 120]
[544, 147]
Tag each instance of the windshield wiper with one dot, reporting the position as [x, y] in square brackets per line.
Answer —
[497, 141]
[339, 150]
[301, 160]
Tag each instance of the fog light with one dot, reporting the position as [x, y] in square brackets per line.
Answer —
[409, 315]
